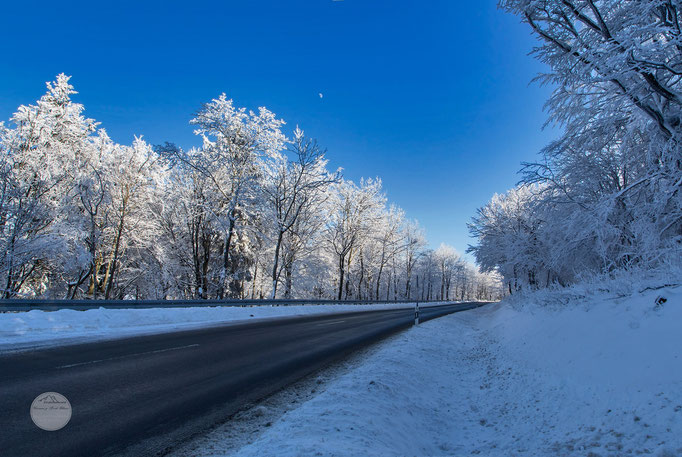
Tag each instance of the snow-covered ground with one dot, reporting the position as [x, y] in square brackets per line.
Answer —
[38, 328]
[593, 376]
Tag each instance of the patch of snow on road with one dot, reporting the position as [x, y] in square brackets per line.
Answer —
[599, 378]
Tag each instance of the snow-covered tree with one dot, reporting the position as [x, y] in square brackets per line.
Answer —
[609, 187]
[236, 147]
[389, 241]
[294, 187]
[353, 211]
[414, 245]
[247, 213]
[37, 150]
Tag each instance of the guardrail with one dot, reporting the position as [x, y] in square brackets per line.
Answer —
[82, 305]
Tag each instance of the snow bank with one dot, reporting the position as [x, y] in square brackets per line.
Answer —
[31, 328]
[623, 343]
[601, 378]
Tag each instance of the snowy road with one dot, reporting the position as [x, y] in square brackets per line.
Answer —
[152, 391]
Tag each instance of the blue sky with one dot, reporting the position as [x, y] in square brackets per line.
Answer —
[433, 97]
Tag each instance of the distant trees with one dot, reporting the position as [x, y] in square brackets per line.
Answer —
[352, 213]
[249, 214]
[606, 195]
[415, 241]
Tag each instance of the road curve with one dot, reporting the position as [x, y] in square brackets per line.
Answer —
[141, 395]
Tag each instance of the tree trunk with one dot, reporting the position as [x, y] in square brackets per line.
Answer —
[275, 265]
[94, 281]
[342, 263]
[255, 278]
[288, 280]
[93, 257]
[226, 259]
[408, 278]
[348, 262]
[362, 276]
[381, 267]
[388, 286]
[442, 284]
[111, 268]
[206, 244]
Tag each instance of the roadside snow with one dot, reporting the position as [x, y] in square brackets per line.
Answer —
[597, 379]
[38, 328]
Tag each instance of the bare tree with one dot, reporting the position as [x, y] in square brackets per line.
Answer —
[292, 188]
[353, 211]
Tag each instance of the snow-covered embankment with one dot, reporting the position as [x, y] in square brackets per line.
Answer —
[601, 377]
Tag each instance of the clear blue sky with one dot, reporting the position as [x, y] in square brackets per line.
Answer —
[433, 97]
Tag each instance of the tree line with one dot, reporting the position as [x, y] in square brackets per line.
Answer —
[251, 213]
[605, 196]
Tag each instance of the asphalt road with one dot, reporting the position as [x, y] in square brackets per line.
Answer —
[141, 395]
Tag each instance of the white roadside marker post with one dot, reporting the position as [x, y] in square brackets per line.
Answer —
[416, 313]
